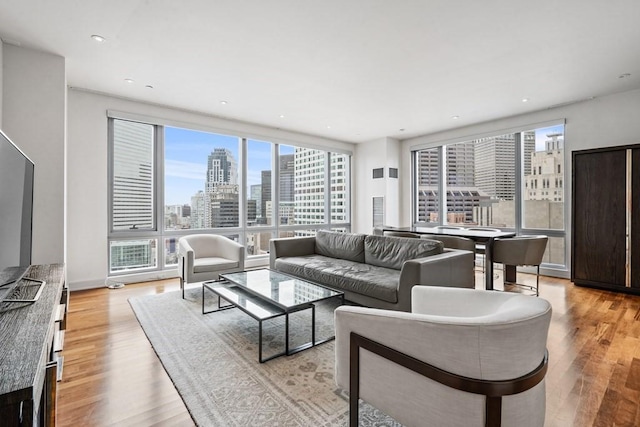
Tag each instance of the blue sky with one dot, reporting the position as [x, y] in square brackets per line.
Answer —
[186, 152]
[541, 135]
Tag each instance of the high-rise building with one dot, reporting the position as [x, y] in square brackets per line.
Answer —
[200, 210]
[221, 203]
[544, 179]
[495, 163]
[224, 206]
[132, 175]
[256, 194]
[462, 193]
[309, 186]
[222, 168]
[132, 254]
[265, 197]
[287, 169]
[286, 208]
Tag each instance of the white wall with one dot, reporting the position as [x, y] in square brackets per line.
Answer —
[33, 116]
[87, 173]
[381, 153]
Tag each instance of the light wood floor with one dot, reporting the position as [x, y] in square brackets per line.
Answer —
[113, 377]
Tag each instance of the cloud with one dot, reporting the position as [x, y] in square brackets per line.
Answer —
[186, 170]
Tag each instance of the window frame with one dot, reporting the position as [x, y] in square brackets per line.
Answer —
[520, 188]
[160, 234]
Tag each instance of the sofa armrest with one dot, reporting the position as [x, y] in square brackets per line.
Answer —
[452, 268]
[290, 246]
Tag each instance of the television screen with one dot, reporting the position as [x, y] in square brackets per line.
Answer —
[16, 206]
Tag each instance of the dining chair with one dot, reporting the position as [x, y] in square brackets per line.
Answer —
[481, 248]
[521, 251]
[453, 242]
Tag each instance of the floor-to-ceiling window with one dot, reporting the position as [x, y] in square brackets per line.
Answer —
[169, 181]
[511, 181]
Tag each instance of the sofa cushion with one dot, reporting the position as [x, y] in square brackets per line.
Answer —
[365, 279]
[392, 252]
[340, 245]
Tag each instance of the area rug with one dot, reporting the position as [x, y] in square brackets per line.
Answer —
[212, 360]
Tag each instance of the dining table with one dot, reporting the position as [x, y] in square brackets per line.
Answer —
[485, 237]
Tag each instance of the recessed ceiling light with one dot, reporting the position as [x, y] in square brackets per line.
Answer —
[223, 102]
[401, 130]
[129, 80]
[525, 99]
[328, 127]
[624, 76]
[455, 117]
[282, 116]
[149, 87]
[98, 38]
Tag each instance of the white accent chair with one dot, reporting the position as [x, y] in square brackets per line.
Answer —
[205, 256]
[462, 357]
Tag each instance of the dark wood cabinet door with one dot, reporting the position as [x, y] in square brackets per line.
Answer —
[599, 217]
[635, 219]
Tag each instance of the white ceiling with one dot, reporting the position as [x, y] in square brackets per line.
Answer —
[352, 70]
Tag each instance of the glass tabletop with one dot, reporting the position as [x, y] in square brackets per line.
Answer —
[282, 289]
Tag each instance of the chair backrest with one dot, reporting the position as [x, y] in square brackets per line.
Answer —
[204, 245]
[475, 334]
[401, 234]
[452, 242]
[519, 250]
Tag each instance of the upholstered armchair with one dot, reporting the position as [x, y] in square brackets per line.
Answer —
[205, 256]
[521, 250]
[462, 357]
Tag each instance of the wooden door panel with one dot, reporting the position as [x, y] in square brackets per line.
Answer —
[599, 217]
[635, 218]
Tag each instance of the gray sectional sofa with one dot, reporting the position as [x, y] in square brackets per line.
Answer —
[375, 271]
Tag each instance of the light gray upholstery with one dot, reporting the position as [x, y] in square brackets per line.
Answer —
[473, 333]
[394, 265]
[206, 256]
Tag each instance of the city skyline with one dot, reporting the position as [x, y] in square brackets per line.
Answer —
[186, 152]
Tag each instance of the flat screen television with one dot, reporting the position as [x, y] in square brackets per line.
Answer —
[16, 212]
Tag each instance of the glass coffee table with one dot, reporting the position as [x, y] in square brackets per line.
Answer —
[266, 294]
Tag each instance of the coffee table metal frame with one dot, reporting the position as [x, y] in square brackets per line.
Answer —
[265, 308]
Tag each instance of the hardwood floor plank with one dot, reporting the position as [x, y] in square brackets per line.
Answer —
[112, 376]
